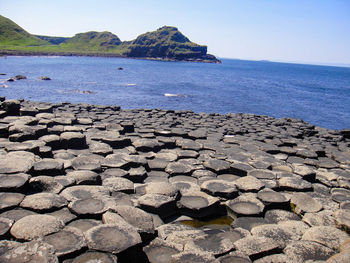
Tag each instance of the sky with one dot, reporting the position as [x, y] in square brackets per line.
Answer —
[302, 31]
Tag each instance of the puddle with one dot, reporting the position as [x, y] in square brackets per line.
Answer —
[223, 220]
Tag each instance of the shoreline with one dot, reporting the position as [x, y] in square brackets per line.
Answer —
[78, 178]
[97, 54]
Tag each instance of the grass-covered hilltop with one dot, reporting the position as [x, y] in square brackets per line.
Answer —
[166, 43]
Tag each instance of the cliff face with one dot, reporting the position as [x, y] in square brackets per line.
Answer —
[166, 43]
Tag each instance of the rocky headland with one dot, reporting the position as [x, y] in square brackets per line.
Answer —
[89, 183]
[166, 43]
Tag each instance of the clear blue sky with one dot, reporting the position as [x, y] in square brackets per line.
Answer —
[308, 31]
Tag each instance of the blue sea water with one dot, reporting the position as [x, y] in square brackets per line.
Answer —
[319, 95]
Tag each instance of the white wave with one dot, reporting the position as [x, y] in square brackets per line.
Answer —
[130, 85]
[174, 95]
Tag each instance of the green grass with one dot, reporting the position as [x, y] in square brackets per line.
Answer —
[166, 42]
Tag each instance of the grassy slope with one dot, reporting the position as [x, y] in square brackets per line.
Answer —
[166, 42]
[13, 35]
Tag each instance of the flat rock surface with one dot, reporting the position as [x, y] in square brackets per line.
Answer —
[34, 226]
[90, 183]
[111, 238]
[34, 251]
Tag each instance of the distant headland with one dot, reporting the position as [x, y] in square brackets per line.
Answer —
[166, 43]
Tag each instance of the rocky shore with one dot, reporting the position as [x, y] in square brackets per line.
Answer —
[89, 183]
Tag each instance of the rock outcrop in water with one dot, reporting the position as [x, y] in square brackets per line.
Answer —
[83, 182]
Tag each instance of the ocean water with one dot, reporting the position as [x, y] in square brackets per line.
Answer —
[319, 95]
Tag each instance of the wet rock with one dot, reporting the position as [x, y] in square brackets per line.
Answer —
[301, 251]
[256, 247]
[35, 226]
[92, 256]
[66, 241]
[9, 200]
[13, 182]
[43, 201]
[111, 238]
[303, 203]
[34, 251]
[220, 188]
[16, 162]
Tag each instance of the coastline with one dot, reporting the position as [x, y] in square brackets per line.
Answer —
[102, 54]
[76, 172]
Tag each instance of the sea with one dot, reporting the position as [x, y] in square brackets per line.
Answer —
[319, 95]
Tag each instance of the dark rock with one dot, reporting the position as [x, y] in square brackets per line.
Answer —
[5, 225]
[73, 140]
[11, 107]
[217, 166]
[193, 257]
[63, 214]
[44, 78]
[90, 206]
